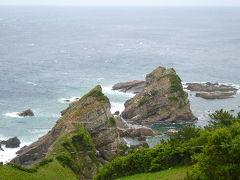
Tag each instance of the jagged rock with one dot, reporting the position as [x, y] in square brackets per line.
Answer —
[210, 87]
[21, 150]
[1, 149]
[116, 113]
[12, 143]
[27, 112]
[136, 132]
[135, 86]
[162, 100]
[91, 113]
[216, 95]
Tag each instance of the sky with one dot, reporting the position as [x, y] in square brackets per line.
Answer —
[124, 2]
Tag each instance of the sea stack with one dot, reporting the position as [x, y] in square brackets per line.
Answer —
[163, 100]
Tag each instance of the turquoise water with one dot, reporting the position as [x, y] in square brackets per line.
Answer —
[50, 53]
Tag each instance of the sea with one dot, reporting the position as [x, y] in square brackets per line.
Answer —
[50, 54]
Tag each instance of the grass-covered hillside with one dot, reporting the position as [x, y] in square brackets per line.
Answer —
[178, 173]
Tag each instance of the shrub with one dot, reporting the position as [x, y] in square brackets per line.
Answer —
[112, 121]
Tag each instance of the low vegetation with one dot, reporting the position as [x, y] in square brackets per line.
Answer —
[213, 152]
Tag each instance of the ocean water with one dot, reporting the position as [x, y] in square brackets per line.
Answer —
[51, 53]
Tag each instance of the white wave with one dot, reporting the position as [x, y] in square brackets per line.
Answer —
[116, 106]
[68, 100]
[108, 90]
[31, 83]
[38, 131]
[9, 153]
[13, 115]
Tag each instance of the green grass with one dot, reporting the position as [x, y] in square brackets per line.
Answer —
[50, 171]
[178, 173]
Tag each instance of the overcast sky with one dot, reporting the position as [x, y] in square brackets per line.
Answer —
[125, 2]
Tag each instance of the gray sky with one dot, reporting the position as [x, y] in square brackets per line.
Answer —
[125, 2]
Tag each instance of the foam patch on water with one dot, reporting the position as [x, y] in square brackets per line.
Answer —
[13, 115]
[9, 153]
[116, 106]
[108, 90]
[31, 83]
[68, 100]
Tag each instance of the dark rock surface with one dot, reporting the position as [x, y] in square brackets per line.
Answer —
[12, 143]
[1, 149]
[27, 112]
[135, 86]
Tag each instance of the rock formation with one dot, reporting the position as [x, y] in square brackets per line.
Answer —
[11, 143]
[162, 100]
[86, 132]
[215, 95]
[27, 112]
[135, 86]
[212, 90]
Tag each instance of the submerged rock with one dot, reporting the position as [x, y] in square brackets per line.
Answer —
[116, 113]
[27, 112]
[12, 143]
[216, 95]
[135, 86]
[162, 100]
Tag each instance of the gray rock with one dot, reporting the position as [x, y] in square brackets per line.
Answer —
[116, 113]
[12, 143]
[159, 102]
[27, 112]
[210, 87]
[135, 86]
[216, 95]
[1, 149]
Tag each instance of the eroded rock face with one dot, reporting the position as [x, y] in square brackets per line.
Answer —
[1, 149]
[27, 112]
[91, 112]
[135, 86]
[162, 100]
[12, 143]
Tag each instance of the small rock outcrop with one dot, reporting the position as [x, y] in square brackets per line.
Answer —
[12, 143]
[210, 87]
[162, 100]
[215, 95]
[1, 149]
[212, 90]
[27, 112]
[135, 86]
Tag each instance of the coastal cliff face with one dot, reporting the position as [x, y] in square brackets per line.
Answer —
[162, 100]
[82, 139]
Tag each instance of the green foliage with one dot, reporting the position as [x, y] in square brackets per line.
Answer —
[112, 121]
[223, 118]
[41, 163]
[173, 98]
[143, 100]
[214, 151]
[78, 147]
[97, 92]
[67, 161]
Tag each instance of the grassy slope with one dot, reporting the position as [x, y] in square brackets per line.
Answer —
[50, 171]
[173, 174]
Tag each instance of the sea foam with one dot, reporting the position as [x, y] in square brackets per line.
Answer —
[13, 115]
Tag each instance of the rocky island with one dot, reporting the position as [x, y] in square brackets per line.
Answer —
[161, 99]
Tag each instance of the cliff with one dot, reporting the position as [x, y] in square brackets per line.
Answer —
[162, 100]
[82, 139]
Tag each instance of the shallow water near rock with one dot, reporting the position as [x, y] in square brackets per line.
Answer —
[49, 62]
